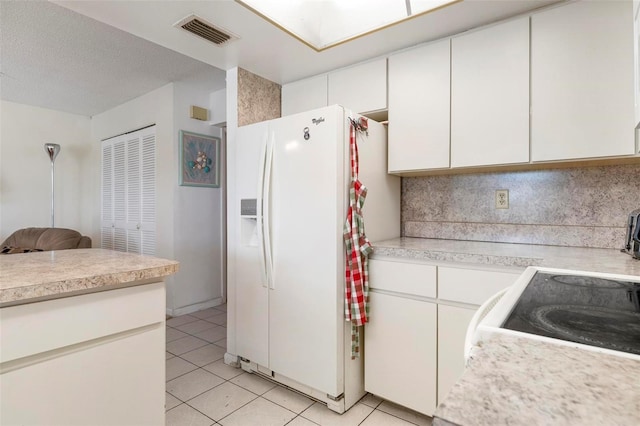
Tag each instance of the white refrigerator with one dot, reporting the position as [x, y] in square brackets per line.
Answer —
[288, 183]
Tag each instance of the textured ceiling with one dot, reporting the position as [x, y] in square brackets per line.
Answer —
[55, 58]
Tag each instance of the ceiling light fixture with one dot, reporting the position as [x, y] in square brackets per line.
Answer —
[322, 24]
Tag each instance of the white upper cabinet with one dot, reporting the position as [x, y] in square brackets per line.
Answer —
[304, 95]
[419, 108]
[361, 88]
[490, 95]
[582, 81]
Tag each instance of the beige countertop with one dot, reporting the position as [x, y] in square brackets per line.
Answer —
[506, 254]
[31, 277]
[519, 381]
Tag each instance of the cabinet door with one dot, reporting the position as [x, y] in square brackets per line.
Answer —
[400, 351]
[133, 194]
[490, 96]
[582, 81]
[360, 88]
[452, 329]
[419, 108]
[304, 95]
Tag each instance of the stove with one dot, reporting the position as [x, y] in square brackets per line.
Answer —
[589, 310]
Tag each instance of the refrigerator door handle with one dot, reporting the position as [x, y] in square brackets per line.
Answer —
[260, 215]
[266, 213]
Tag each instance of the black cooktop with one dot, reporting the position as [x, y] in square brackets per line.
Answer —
[583, 309]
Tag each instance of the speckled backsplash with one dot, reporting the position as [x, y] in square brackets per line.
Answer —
[258, 98]
[580, 207]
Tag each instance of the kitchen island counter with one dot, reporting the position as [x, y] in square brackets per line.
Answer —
[31, 277]
[82, 325]
[521, 381]
[507, 254]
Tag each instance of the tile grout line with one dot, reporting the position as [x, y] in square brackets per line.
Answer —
[215, 422]
[200, 368]
[368, 415]
[248, 390]
[398, 417]
[258, 396]
[193, 408]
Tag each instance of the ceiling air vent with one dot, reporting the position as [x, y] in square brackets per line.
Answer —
[203, 29]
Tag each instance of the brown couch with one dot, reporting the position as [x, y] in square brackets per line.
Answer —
[44, 239]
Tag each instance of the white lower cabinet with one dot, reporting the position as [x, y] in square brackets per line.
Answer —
[452, 329]
[414, 341]
[400, 351]
[460, 292]
[96, 358]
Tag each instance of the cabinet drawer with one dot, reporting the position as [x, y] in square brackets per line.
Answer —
[471, 285]
[59, 323]
[410, 278]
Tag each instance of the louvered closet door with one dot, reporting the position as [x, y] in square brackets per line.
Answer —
[133, 194]
[129, 193]
[107, 196]
[148, 195]
[119, 196]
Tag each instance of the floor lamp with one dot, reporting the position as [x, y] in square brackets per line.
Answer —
[52, 149]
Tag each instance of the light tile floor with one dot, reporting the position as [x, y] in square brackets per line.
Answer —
[203, 391]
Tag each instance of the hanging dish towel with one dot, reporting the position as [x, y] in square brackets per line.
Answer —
[358, 248]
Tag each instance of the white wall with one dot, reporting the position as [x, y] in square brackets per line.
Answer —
[190, 227]
[25, 169]
[199, 226]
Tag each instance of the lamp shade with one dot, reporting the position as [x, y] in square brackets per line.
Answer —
[52, 149]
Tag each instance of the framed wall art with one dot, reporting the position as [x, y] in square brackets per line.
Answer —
[199, 160]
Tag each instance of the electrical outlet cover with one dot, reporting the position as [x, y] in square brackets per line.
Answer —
[502, 199]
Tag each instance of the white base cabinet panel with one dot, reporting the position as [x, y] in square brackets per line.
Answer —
[452, 329]
[414, 340]
[111, 383]
[92, 359]
[400, 351]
